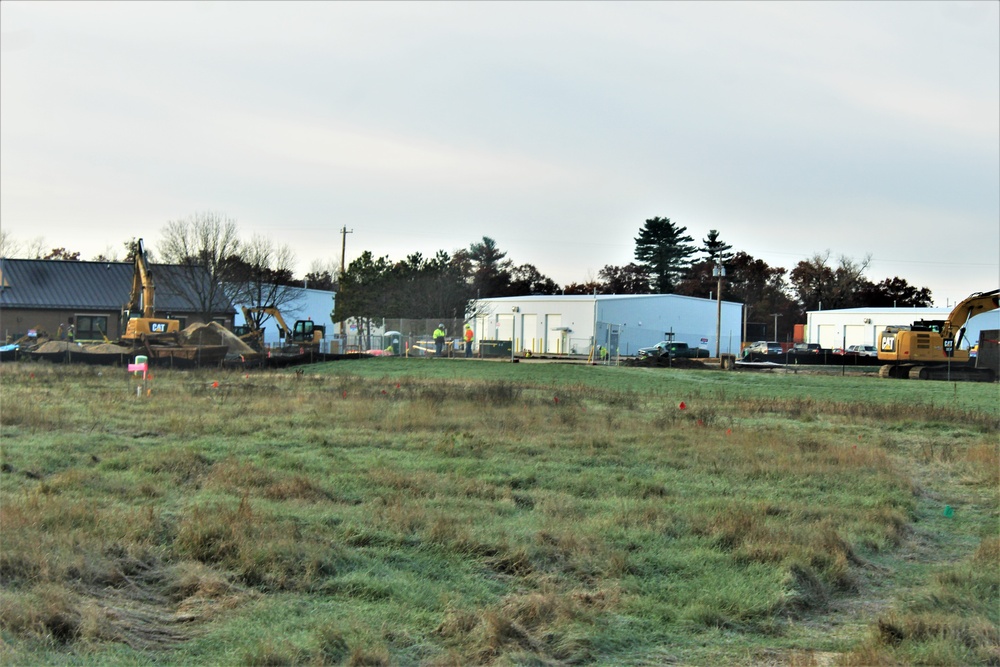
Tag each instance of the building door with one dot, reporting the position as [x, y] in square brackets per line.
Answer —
[855, 334]
[553, 338]
[829, 336]
[505, 327]
[529, 333]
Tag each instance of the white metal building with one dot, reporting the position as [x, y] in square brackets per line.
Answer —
[861, 326]
[307, 304]
[569, 324]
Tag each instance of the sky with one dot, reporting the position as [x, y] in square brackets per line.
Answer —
[555, 128]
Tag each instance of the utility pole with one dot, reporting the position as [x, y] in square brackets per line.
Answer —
[719, 271]
[344, 231]
[776, 316]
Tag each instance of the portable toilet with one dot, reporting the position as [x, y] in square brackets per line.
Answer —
[393, 341]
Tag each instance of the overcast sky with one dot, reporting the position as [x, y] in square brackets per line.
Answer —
[555, 128]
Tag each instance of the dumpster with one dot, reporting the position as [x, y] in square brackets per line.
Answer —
[494, 348]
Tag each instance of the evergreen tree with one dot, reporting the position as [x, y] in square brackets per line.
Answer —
[491, 269]
[715, 250]
[665, 250]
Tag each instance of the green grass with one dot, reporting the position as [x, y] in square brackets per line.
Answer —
[446, 512]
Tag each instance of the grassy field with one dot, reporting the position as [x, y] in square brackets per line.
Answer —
[453, 512]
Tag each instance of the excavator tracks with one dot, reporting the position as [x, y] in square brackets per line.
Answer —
[939, 372]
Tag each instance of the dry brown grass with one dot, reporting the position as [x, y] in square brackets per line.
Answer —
[556, 518]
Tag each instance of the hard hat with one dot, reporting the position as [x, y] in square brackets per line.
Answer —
[441, 325]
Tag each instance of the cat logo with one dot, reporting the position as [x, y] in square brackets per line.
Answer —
[158, 327]
[888, 343]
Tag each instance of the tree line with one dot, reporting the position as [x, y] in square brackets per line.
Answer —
[259, 272]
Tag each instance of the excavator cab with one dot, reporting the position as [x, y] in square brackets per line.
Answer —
[307, 332]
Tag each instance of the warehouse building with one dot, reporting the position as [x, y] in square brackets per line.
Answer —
[571, 324]
[861, 326]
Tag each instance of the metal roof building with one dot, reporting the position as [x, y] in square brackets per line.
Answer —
[50, 294]
[570, 324]
[861, 326]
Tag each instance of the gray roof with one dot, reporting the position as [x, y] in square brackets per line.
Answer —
[53, 284]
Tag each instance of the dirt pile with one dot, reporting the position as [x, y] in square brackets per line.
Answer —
[666, 362]
[57, 346]
[107, 348]
[214, 333]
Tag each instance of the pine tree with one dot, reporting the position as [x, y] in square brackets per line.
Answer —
[715, 250]
[665, 250]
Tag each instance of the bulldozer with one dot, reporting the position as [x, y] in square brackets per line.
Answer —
[932, 349]
[304, 335]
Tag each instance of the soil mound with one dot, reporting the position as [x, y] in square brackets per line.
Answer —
[666, 362]
[107, 348]
[214, 333]
[57, 346]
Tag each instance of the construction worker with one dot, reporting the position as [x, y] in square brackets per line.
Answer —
[439, 335]
[469, 335]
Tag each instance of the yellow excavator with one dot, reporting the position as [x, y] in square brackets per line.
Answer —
[139, 315]
[931, 349]
[303, 334]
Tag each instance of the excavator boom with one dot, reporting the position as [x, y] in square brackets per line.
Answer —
[980, 302]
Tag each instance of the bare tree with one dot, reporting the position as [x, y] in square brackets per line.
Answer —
[261, 276]
[323, 274]
[201, 246]
[35, 248]
[109, 254]
[9, 246]
[818, 283]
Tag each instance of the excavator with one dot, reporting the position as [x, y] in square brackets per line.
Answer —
[139, 315]
[304, 334]
[931, 349]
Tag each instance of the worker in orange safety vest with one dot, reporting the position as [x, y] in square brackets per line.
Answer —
[468, 341]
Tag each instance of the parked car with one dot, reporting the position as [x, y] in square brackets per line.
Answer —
[806, 348]
[862, 350]
[764, 347]
[673, 350]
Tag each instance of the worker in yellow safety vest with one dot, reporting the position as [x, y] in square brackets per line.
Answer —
[439, 335]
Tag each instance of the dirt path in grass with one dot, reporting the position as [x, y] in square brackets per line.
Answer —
[935, 538]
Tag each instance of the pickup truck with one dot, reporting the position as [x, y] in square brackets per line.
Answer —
[673, 350]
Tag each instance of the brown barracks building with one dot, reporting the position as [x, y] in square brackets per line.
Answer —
[48, 296]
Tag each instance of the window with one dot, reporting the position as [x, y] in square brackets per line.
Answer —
[91, 327]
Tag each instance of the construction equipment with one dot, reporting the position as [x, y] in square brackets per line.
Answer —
[304, 334]
[931, 349]
[139, 315]
[34, 336]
